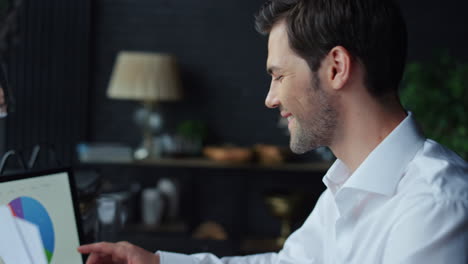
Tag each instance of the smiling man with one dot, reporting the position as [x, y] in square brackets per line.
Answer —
[299, 94]
[392, 196]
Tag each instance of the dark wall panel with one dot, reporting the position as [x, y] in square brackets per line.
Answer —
[436, 25]
[48, 70]
[221, 57]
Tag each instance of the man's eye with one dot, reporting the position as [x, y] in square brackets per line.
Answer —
[279, 78]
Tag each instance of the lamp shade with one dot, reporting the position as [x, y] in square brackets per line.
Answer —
[145, 76]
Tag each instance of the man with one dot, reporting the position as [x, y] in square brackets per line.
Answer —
[393, 196]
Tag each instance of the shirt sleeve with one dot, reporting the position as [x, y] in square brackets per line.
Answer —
[431, 231]
[208, 258]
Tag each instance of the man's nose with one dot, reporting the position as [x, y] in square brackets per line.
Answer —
[272, 100]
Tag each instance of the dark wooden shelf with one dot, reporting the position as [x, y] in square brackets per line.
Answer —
[320, 166]
[179, 227]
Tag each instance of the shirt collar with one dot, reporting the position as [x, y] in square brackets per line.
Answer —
[383, 168]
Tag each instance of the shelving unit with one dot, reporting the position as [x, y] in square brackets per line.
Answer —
[204, 179]
[318, 166]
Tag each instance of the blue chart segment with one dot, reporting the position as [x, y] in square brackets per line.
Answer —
[34, 212]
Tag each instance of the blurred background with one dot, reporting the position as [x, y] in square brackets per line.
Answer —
[205, 168]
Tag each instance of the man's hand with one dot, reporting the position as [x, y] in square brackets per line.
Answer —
[117, 253]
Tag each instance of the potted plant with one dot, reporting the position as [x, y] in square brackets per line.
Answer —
[437, 93]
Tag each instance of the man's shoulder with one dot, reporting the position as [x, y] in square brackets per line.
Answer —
[437, 171]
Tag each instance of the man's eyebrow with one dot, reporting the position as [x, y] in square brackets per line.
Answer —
[271, 69]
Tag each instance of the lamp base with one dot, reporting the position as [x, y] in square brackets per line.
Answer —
[141, 153]
[149, 150]
[150, 122]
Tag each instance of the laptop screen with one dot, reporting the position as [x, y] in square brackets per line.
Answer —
[46, 201]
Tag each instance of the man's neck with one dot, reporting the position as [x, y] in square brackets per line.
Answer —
[362, 129]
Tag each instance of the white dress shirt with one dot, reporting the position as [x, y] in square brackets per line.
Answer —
[406, 203]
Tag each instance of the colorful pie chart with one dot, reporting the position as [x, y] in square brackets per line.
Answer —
[34, 212]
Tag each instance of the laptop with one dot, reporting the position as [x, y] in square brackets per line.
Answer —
[47, 200]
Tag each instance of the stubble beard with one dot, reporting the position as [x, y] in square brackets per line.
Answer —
[315, 129]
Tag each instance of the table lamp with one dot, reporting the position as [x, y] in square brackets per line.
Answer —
[150, 78]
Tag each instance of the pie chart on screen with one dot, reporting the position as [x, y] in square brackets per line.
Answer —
[31, 210]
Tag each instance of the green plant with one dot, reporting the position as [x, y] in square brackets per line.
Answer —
[437, 93]
[192, 129]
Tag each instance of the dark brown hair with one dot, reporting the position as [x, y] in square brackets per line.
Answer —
[373, 31]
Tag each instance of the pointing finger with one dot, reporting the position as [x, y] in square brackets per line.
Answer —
[105, 248]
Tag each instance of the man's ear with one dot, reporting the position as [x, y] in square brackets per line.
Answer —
[339, 67]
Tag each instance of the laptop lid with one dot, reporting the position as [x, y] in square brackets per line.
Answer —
[47, 199]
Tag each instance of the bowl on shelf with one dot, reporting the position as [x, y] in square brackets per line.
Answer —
[229, 154]
[272, 154]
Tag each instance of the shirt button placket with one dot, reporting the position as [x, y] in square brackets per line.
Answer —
[343, 225]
